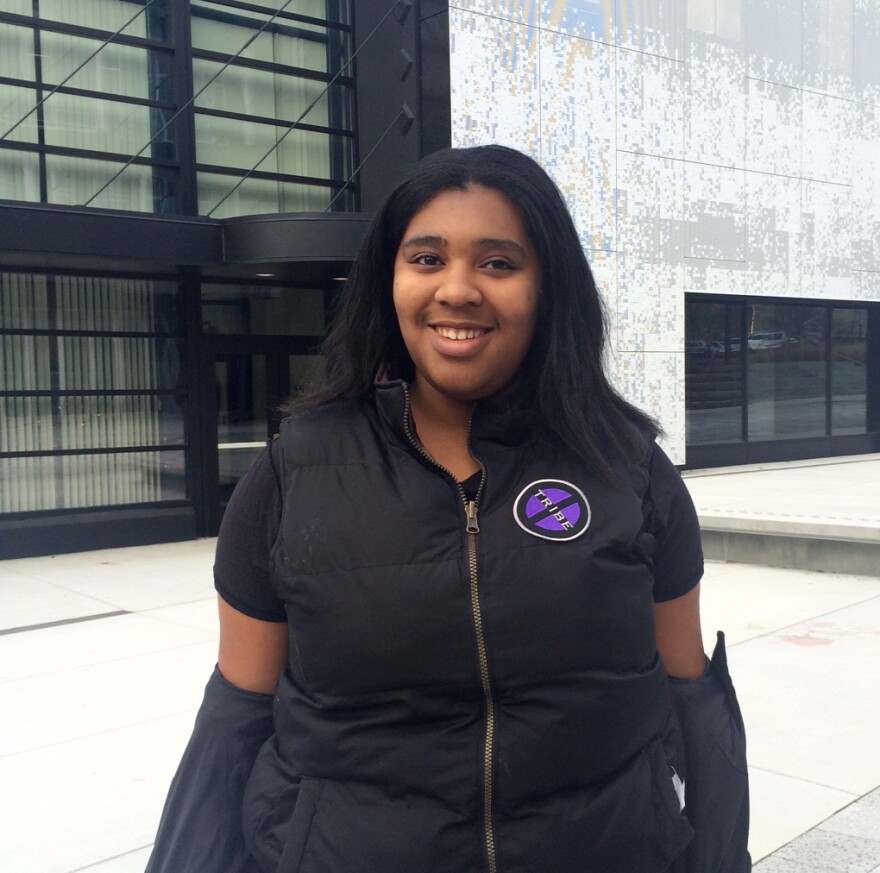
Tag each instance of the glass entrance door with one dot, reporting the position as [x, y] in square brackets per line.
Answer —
[247, 394]
[251, 385]
[260, 344]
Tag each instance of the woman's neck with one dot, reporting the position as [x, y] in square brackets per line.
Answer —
[442, 426]
[438, 410]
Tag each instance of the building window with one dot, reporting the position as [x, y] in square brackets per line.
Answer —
[284, 74]
[91, 403]
[264, 310]
[714, 373]
[82, 108]
[849, 370]
[787, 365]
[98, 109]
[808, 371]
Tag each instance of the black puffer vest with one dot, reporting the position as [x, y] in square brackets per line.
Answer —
[461, 701]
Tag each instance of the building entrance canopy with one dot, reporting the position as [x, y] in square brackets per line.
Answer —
[296, 247]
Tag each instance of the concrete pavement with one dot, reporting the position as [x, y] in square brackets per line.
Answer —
[811, 715]
[820, 514]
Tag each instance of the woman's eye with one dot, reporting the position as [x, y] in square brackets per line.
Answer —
[498, 264]
[426, 260]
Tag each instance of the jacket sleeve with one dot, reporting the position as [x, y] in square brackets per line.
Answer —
[716, 777]
[200, 830]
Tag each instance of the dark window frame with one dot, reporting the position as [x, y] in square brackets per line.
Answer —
[748, 451]
[47, 24]
[287, 15]
[182, 171]
[51, 332]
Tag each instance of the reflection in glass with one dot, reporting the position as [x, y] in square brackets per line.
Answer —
[23, 303]
[268, 94]
[226, 142]
[17, 57]
[713, 373]
[109, 422]
[17, 105]
[282, 40]
[96, 303]
[25, 424]
[261, 310]
[142, 371]
[138, 188]
[334, 10]
[242, 414]
[100, 363]
[97, 125]
[281, 93]
[257, 196]
[849, 372]
[787, 360]
[126, 477]
[78, 481]
[25, 363]
[109, 15]
[34, 484]
[124, 70]
[19, 176]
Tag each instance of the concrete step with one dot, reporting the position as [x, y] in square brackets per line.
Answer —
[821, 514]
[802, 545]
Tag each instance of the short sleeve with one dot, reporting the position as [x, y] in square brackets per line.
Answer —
[672, 519]
[242, 574]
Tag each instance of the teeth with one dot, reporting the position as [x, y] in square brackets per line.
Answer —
[458, 333]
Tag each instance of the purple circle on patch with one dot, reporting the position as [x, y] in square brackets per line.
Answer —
[552, 509]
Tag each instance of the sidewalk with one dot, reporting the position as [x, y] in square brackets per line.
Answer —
[811, 716]
[103, 657]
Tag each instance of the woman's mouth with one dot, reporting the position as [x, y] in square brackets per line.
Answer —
[459, 333]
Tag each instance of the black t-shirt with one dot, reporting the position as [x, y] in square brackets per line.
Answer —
[242, 574]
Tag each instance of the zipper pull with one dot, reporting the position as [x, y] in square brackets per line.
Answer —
[470, 510]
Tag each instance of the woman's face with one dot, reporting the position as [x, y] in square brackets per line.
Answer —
[466, 282]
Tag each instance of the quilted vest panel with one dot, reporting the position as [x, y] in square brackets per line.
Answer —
[378, 762]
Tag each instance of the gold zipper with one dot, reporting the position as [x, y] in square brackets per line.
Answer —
[487, 690]
[472, 528]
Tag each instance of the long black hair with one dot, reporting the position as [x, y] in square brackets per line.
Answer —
[562, 385]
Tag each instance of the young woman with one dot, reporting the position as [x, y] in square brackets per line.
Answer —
[465, 573]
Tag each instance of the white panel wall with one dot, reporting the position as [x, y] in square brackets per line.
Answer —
[721, 146]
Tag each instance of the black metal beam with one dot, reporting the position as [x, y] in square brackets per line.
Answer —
[47, 236]
[56, 233]
[387, 79]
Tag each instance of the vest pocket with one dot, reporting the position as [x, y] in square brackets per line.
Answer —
[297, 833]
[335, 828]
[630, 822]
[669, 801]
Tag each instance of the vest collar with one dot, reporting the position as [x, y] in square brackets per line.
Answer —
[492, 423]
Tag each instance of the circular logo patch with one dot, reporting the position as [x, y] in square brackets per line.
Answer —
[552, 510]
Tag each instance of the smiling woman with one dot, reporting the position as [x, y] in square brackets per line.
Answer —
[454, 590]
[466, 294]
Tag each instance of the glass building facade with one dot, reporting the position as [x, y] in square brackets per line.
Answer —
[180, 194]
[184, 182]
[183, 108]
[91, 406]
[768, 380]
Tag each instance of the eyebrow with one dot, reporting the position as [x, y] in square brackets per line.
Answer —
[485, 242]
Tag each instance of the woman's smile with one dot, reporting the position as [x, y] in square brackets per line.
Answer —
[465, 290]
[459, 333]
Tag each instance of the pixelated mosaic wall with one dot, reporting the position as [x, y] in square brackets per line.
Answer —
[723, 146]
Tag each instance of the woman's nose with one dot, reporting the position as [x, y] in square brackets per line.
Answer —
[458, 286]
